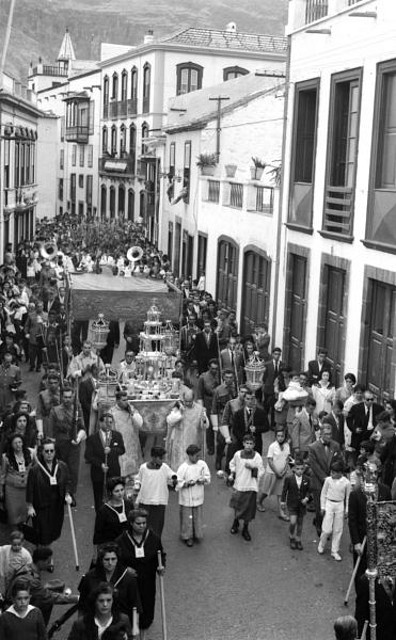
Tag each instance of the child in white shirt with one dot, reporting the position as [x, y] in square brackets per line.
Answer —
[192, 476]
[334, 500]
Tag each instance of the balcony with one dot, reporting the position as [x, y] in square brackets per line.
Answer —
[236, 195]
[132, 107]
[78, 133]
[305, 12]
[264, 199]
[117, 167]
[120, 109]
[338, 211]
[50, 70]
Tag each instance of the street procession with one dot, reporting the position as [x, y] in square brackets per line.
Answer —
[197, 321]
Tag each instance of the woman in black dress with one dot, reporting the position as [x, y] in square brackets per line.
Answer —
[109, 569]
[47, 491]
[139, 548]
[112, 517]
[102, 620]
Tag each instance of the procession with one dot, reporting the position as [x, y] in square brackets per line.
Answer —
[189, 404]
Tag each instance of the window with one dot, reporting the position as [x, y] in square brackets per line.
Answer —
[6, 164]
[170, 241]
[146, 87]
[132, 146]
[74, 155]
[62, 159]
[81, 181]
[105, 97]
[114, 87]
[132, 103]
[91, 118]
[105, 140]
[382, 201]
[103, 201]
[131, 204]
[80, 208]
[113, 140]
[112, 202]
[16, 165]
[82, 153]
[22, 163]
[213, 193]
[122, 141]
[90, 156]
[145, 133]
[187, 171]
[60, 189]
[88, 190]
[229, 73]
[202, 252]
[73, 187]
[303, 153]
[188, 77]
[227, 274]
[172, 170]
[124, 86]
[121, 201]
[62, 132]
[342, 153]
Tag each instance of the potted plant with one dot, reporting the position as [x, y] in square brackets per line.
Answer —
[207, 162]
[230, 170]
[258, 168]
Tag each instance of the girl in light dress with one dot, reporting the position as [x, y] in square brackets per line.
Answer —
[277, 467]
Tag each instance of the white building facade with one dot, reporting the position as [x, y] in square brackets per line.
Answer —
[136, 88]
[225, 225]
[339, 193]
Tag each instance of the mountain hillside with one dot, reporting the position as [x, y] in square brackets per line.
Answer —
[38, 25]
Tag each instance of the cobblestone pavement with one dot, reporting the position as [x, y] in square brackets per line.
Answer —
[225, 587]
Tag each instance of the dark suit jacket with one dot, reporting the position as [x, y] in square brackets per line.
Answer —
[337, 433]
[314, 371]
[320, 461]
[241, 423]
[357, 511]
[385, 610]
[204, 352]
[388, 459]
[270, 376]
[95, 455]
[358, 419]
[292, 494]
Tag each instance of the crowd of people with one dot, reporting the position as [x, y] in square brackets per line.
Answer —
[322, 437]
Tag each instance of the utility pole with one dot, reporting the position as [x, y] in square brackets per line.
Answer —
[219, 100]
[6, 41]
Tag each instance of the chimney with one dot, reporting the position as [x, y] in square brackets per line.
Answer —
[149, 37]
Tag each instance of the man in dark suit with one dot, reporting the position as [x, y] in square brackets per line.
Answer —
[112, 342]
[316, 367]
[250, 419]
[273, 374]
[357, 522]
[320, 456]
[362, 418]
[102, 451]
[232, 360]
[206, 346]
[336, 420]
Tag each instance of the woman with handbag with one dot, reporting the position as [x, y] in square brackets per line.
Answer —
[48, 488]
[15, 465]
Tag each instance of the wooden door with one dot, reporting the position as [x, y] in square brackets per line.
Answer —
[296, 311]
[380, 367]
[256, 292]
[334, 320]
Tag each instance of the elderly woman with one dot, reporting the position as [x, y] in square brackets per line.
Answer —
[139, 548]
[15, 465]
[48, 488]
[109, 569]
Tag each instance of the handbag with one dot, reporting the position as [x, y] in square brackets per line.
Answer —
[28, 530]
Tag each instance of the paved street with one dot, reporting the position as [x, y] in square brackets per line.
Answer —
[226, 587]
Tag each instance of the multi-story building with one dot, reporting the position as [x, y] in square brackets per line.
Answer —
[339, 197]
[19, 118]
[226, 225]
[69, 90]
[136, 88]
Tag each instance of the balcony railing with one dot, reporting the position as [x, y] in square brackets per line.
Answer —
[213, 190]
[132, 106]
[77, 134]
[315, 9]
[117, 166]
[236, 195]
[265, 199]
[49, 70]
[146, 104]
[338, 210]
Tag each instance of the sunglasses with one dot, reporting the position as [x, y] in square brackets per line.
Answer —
[49, 450]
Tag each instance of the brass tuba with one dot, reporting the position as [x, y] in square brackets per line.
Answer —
[135, 253]
[49, 250]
